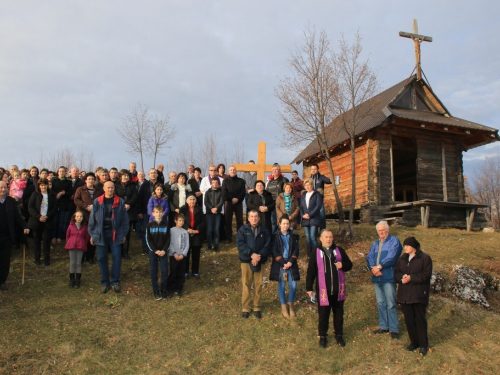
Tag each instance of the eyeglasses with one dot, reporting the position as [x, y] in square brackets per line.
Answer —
[212, 170]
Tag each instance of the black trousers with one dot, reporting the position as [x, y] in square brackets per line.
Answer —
[229, 209]
[416, 324]
[126, 245]
[176, 276]
[5, 252]
[324, 316]
[194, 254]
[42, 233]
[90, 254]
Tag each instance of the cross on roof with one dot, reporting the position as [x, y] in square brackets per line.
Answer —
[261, 167]
[417, 39]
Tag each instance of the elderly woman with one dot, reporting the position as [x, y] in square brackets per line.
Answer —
[286, 203]
[413, 274]
[310, 205]
[261, 201]
[194, 224]
[42, 207]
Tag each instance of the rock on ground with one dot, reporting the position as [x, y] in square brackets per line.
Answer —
[469, 285]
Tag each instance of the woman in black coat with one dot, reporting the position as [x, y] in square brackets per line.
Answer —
[129, 191]
[285, 252]
[63, 188]
[194, 223]
[413, 274]
[42, 207]
[261, 201]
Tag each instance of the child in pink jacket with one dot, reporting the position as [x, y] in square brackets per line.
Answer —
[77, 238]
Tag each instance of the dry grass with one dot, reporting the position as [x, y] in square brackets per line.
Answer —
[48, 328]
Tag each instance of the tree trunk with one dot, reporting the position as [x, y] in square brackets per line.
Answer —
[341, 234]
[350, 233]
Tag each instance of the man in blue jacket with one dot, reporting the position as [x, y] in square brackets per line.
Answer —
[254, 245]
[382, 259]
[108, 227]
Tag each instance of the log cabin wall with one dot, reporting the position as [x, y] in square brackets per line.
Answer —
[342, 168]
[374, 168]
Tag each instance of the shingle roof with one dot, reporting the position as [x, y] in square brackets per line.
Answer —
[383, 109]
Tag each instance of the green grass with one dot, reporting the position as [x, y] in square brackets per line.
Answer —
[47, 328]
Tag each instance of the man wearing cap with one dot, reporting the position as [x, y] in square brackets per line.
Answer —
[382, 259]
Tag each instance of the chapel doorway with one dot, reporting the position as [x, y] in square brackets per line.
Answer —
[404, 167]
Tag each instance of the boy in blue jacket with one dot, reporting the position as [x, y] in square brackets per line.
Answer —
[158, 242]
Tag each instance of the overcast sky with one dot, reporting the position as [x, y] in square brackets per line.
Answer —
[71, 70]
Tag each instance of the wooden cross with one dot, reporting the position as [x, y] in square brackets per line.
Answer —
[417, 39]
[261, 167]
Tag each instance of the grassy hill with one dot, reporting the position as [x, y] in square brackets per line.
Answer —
[47, 328]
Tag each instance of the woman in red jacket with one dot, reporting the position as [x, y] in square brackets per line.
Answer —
[77, 237]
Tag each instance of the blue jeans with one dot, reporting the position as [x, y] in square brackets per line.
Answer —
[61, 222]
[213, 227]
[153, 267]
[292, 287]
[311, 239]
[274, 220]
[386, 303]
[102, 259]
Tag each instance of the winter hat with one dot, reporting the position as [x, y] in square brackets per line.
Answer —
[411, 241]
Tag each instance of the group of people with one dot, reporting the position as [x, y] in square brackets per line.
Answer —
[95, 212]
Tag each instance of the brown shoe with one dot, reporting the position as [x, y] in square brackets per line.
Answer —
[290, 309]
[284, 311]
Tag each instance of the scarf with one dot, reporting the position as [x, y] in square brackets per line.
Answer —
[323, 293]
[288, 203]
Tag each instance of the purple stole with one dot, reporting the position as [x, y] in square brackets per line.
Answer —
[323, 293]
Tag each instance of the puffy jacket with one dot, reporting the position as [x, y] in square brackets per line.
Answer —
[279, 261]
[391, 250]
[163, 202]
[248, 244]
[420, 270]
[77, 239]
[119, 221]
[315, 203]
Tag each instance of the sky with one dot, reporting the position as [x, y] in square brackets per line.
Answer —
[71, 71]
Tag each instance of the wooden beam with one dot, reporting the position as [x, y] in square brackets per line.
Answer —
[392, 171]
[261, 167]
[443, 170]
[416, 36]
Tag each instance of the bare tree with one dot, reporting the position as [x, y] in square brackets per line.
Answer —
[355, 83]
[161, 132]
[308, 104]
[486, 189]
[135, 131]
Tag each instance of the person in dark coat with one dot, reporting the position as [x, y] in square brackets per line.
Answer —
[233, 192]
[10, 217]
[413, 274]
[310, 205]
[261, 201]
[194, 224]
[63, 189]
[285, 252]
[84, 198]
[43, 209]
[130, 200]
[327, 265]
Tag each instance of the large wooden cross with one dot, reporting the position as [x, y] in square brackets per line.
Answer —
[417, 39]
[261, 167]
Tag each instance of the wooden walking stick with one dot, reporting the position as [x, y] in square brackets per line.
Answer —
[24, 262]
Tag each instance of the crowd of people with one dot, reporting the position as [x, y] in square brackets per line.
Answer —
[95, 213]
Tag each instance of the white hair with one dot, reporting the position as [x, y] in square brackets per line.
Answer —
[384, 223]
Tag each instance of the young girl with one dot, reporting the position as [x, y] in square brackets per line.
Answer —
[77, 237]
[158, 198]
[285, 251]
[178, 249]
[17, 186]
